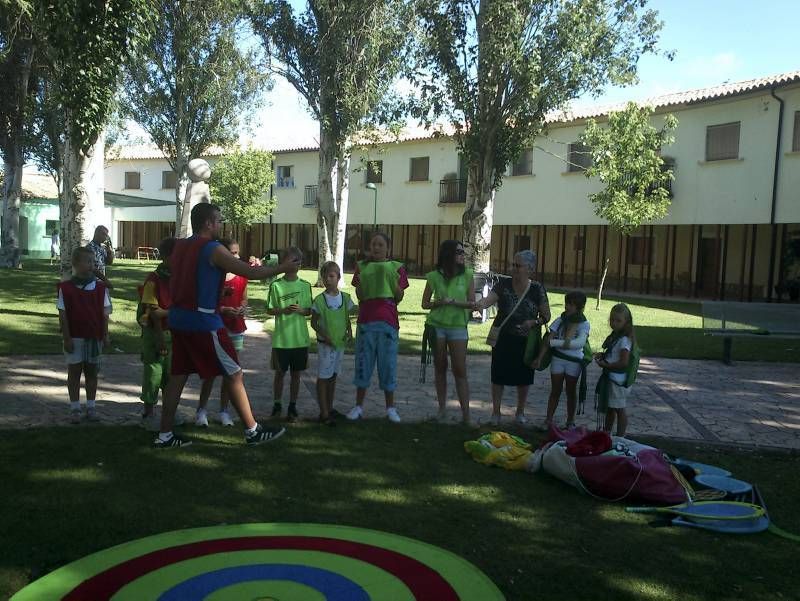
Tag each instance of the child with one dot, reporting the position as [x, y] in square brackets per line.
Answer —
[83, 310]
[330, 318]
[453, 292]
[156, 340]
[565, 340]
[611, 390]
[232, 307]
[289, 301]
[380, 285]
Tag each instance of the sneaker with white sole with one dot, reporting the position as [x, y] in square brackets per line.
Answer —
[201, 419]
[91, 415]
[75, 416]
[392, 415]
[173, 442]
[355, 413]
[520, 419]
[494, 420]
[262, 435]
[225, 418]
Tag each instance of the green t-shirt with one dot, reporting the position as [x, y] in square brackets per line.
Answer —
[456, 288]
[291, 329]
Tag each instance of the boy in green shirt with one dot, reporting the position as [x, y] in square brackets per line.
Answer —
[289, 301]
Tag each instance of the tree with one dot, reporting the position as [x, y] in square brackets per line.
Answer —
[87, 43]
[626, 157]
[342, 57]
[237, 185]
[496, 68]
[17, 52]
[192, 85]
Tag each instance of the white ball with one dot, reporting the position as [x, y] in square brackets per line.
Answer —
[198, 170]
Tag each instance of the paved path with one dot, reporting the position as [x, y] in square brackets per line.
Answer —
[748, 404]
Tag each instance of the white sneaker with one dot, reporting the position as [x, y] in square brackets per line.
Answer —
[521, 419]
[201, 419]
[494, 420]
[225, 418]
[392, 415]
[355, 413]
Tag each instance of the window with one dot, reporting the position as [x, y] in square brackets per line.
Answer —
[639, 251]
[50, 227]
[419, 169]
[169, 180]
[285, 176]
[133, 180]
[796, 136]
[579, 156]
[524, 164]
[722, 142]
[374, 172]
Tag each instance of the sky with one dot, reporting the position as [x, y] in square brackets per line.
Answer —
[714, 41]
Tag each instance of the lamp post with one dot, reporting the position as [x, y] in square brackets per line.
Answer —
[374, 189]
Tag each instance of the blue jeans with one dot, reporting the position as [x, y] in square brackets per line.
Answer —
[376, 341]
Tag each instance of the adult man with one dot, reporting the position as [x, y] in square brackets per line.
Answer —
[103, 253]
[200, 343]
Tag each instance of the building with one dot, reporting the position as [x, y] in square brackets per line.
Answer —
[735, 206]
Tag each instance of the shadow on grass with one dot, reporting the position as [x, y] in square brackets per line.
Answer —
[81, 490]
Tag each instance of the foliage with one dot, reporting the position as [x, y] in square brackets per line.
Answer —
[192, 85]
[626, 157]
[239, 184]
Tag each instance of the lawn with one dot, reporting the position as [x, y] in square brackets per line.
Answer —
[73, 491]
[28, 319]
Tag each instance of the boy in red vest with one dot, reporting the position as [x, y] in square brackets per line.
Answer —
[200, 342]
[83, 310]
[156, 340]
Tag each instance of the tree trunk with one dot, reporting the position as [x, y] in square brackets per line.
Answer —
[600, 288]
[12, 193]
[182, 213]
[479, 215]
[333, 181]
[77, 195]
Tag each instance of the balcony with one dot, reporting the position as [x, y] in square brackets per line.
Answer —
[452, 191]
[310, 196]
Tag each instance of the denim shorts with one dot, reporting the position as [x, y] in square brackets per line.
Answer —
[452, 333]
[376, 342]
[562, 366]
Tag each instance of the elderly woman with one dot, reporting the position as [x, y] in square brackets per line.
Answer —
[521, 304]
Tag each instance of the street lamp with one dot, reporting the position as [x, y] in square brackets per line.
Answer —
[374, 188]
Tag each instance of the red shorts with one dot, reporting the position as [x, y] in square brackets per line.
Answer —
[207, 354]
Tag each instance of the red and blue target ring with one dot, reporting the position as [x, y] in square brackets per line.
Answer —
[279, 562]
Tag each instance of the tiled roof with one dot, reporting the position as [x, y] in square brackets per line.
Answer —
[38, 185]
[682, 98]
[150, 151]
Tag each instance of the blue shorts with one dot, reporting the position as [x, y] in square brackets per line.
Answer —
[376, 341]
[452, 333]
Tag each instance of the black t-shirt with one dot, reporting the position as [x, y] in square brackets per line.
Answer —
[527, 309]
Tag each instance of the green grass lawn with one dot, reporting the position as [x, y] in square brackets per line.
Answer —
[69, 492]
[29, 322]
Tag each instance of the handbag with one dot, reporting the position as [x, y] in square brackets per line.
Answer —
[494, 331]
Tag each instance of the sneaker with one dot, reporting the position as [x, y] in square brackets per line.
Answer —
[291, 412]
[545, 425]
[521, 419]
[494, 420]
[355, 413]
[91, 415]
[225, 418]
[571, 426]
[201, 419]
[392, 415]
[276, 410]
[75, 416]
[174, 441]
[263, 434]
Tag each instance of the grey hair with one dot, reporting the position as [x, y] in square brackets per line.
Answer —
[528, 257]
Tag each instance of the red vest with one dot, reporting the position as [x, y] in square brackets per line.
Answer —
[232, 295]
[84, 309]
[183, 268]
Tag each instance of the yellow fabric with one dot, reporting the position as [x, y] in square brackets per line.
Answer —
[501, 449]
[149, 294]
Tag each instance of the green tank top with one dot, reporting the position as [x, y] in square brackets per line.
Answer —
[334, 320]
[378, 278]
[455, 288]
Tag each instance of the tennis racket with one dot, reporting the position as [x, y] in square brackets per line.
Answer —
[707, 510]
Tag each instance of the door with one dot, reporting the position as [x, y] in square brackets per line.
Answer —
[708, 267]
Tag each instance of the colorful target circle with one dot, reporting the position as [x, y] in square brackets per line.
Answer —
[268, 562]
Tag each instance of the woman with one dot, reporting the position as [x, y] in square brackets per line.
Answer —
[508, 368]
[449, 295]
